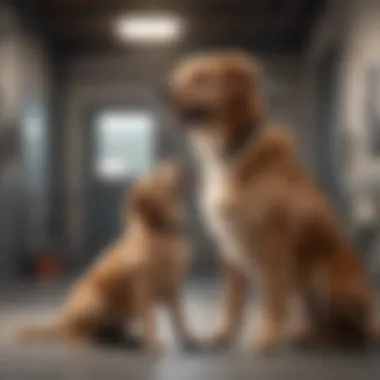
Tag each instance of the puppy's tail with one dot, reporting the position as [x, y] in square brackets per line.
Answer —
[38, 333]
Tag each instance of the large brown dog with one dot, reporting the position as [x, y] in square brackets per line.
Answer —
[145, 266]
[263, 210]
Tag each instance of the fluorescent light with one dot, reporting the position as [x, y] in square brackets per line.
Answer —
[149, 28]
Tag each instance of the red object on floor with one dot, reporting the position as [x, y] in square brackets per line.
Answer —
[48, 265]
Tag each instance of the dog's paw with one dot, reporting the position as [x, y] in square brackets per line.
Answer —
[221, 340]
[265, 344]
[307, 339]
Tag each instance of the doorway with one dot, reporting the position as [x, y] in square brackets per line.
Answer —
[122, 146]
[327, 135]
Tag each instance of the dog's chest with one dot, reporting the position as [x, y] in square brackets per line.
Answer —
[217, 213]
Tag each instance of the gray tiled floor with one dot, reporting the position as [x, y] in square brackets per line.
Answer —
[55, 361]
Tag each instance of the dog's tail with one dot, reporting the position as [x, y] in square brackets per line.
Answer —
[340, 300]
[38, 333]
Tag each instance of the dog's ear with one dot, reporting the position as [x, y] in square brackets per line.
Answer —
[240, 77]
[145, 204]
[240, 83]
[237, 86]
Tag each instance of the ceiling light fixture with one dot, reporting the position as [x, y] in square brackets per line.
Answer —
[149, 28]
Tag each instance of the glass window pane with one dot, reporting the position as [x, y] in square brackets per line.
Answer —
[124, 144]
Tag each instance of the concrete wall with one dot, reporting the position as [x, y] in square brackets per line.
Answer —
[24, 180]
[352, 27]
[361, 55]
[328, 33]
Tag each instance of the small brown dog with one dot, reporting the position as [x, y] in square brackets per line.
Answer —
[147, 265]
[264, 211]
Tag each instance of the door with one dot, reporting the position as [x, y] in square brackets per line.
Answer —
[327, 136]
[122, 146]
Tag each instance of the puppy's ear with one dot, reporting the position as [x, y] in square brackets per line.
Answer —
[145, 204]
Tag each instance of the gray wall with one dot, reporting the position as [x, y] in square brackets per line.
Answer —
[353, 28]
[24, 182]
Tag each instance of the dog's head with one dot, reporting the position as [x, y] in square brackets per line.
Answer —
[158, 198]
[215, 96]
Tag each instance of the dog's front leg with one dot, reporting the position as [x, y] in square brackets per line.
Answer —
[146, 308]
[233, 302]
[276, 280]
